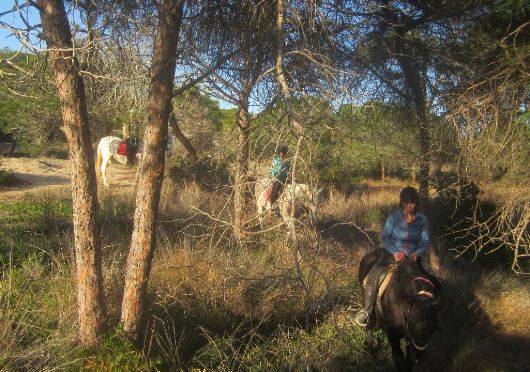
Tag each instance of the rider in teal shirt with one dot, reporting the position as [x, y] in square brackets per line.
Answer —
[281, 166]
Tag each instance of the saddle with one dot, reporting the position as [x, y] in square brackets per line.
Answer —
[122, 148]
[384, 279]
[381, 284]
[268, 192]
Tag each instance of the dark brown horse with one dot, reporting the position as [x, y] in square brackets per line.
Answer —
[407, 309]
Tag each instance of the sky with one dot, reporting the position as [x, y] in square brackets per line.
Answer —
[11, 18]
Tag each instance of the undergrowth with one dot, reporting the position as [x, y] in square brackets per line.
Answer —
[216, 305]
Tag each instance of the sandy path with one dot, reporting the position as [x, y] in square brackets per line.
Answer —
[49, 176]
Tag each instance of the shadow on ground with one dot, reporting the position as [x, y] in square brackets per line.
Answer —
[345, 233]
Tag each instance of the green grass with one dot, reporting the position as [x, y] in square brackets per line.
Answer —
[6, 177]
[33, 228]
[55, 150]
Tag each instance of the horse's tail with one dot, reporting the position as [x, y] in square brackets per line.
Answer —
[99, 160]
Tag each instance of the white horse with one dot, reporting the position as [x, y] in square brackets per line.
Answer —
[108, 150]
[303, 195]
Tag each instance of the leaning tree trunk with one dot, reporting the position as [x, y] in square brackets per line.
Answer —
[174, 124]
[151, 170]
[71, 91]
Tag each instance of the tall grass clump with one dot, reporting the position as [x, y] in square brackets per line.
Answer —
[37, 316]
[26, 227]
[329, 346]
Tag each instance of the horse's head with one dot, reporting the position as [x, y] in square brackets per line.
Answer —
[314, 201]
[134, 150]
[421, 321]
[423, 302]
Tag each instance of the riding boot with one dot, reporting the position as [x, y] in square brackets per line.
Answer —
[365, 317]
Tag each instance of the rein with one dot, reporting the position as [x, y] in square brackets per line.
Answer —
[425, 280]
[420, 348]
[420, 293]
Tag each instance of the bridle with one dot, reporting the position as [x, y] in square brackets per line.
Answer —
[409, 336]
[405, 316]
[425, 280]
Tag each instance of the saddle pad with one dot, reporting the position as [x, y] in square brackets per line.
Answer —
[384, 279]
[122, 148]
[268, 192]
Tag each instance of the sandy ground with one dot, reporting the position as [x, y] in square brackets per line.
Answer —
[41, 177]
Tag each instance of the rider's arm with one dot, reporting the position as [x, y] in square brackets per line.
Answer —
[387, 234]
[276, 166]
[285, 169]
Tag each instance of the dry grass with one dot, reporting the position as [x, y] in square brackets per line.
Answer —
[503, 298]
[219, 305]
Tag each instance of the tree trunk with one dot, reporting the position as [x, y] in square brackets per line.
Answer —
[241, 176]
[416, 86]
[12, 149]
[242, 157]
[70, 88]
[280, 74]
[181, 137]
[151, 170]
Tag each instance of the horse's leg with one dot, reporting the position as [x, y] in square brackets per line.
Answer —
[411, 357]
[104, 164]
[287, 213]
[394, 339]
[414, 356]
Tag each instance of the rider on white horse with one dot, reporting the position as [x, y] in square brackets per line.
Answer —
[280, 170]
[110, 148]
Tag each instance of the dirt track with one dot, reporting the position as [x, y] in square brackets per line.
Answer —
[41, 177]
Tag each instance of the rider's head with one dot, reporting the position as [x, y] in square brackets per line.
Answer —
[283, 150]
[409, 195]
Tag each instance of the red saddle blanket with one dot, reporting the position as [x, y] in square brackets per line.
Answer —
[122, 148]
[268, 193]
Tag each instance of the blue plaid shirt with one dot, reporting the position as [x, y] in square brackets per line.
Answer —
[400, 236]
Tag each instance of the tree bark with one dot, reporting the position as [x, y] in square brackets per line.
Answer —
[416, 87]
[242, 157]
[151, 170]
[71, 91]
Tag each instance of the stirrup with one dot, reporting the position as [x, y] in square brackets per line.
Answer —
[359, 314]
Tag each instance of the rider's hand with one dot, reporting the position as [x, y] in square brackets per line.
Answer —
[398, 256]
[413, 256]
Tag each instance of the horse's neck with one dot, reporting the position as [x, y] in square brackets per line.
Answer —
[406, 271]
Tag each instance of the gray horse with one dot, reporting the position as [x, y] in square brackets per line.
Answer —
[303, 195]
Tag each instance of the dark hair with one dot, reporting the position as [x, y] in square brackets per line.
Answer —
[283, 150]
[409, 194]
